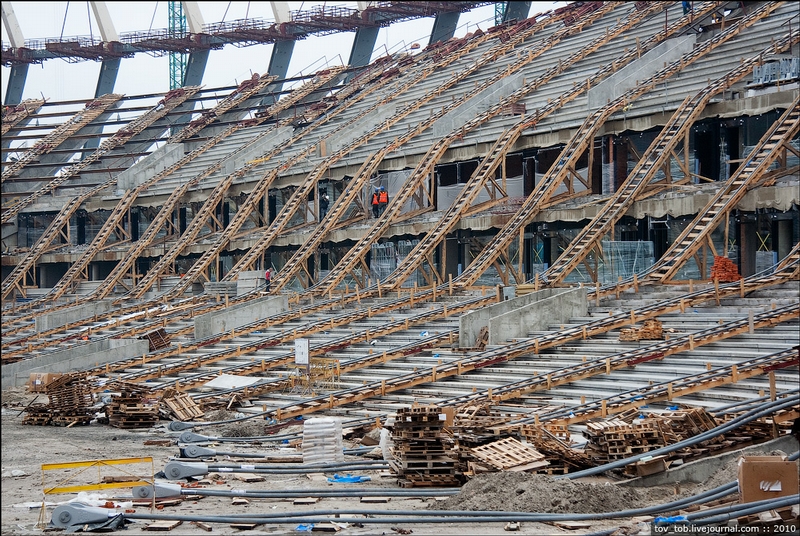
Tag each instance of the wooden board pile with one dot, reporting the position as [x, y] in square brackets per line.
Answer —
[133, 407]
[557, 450]
[70, 402]
[651, 330]
[422, 456]
[724, 269]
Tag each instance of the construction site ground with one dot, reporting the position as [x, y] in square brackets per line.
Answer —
[25, 448]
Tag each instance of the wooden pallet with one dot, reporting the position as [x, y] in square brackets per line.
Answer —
[184, 407]
[157, 339]
[429, 482]
[510, 455]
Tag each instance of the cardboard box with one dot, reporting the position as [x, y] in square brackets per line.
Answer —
[651, 465]
[38, 380]
[766, 477]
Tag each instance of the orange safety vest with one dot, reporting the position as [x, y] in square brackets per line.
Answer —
[375, 199]
[383, 197]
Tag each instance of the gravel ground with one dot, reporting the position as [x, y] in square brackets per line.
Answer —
[25, 448]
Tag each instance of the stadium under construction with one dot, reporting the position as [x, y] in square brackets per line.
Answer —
[591, 211]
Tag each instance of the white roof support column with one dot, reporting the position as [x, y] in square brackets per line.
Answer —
[197, 61]
[103, 18]
[11, 24]
[16, 81]
[280, 10]
[194, 18]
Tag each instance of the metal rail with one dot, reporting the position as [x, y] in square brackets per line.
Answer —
[21, 111]
[652, 352]
[462, 205]
[299, 197]
[12, 281]
[185, 382]
[119, 138]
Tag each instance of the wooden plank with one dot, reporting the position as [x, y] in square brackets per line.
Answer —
[375, 499]
[166, 525]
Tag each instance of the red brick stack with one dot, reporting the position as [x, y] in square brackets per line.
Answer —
[724, 270]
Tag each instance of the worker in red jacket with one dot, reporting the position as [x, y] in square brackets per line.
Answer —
[375, 203]
[383, 200]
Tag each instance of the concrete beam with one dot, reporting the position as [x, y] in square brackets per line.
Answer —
[80, 357]
[73, 314]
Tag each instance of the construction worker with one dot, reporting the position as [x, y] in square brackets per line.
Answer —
[383, 200]
[268, 278]
[324, 201]
[376, 203]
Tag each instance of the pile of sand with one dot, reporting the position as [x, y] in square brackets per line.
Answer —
[525, 492]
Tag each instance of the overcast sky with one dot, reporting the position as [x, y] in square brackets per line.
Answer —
[58, 80]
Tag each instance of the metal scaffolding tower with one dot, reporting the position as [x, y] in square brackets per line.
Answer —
[177, 30]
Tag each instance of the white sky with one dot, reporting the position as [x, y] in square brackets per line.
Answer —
[58, 80]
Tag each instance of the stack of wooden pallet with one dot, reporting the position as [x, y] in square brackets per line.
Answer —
[724, 269]
[651, 330]
[70, 402]
[133, 407]
[421, 455]
[474, 426]
[615, 439]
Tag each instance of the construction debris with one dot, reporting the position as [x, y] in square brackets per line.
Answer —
[651, 330]
[510, 455]
[70, 402]
[181, 405]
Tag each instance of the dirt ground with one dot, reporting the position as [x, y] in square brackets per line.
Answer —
[25, 448]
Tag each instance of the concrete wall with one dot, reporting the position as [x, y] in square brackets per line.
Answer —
[211, 324]
[153, 164]
[629, 76]
[73, 314]
[249, 281]
[539, 316]
[80, 357]
[517, 316]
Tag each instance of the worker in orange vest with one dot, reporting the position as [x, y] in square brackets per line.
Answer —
[375, 203]
[383, 200]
